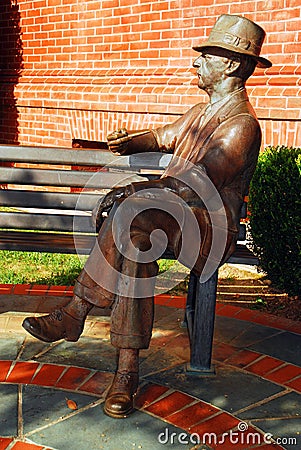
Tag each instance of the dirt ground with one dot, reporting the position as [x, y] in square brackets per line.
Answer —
[244, 286]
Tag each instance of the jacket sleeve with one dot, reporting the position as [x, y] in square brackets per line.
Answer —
[162, 139]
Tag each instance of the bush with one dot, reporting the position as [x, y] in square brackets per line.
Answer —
[275, 216]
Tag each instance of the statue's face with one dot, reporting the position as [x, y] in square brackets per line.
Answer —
[210, 69]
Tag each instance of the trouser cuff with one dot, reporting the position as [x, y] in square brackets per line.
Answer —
[92, 295]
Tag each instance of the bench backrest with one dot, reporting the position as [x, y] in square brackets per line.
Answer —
[50, 193]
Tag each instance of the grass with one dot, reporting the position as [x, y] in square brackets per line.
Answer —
[40, 268]
[52, 268]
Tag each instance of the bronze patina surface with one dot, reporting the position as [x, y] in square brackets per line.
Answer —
[215, 148]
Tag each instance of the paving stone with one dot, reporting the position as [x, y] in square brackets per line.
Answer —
[283, 429]
[93, 430]
[162, 359]
[43, 406]
[285, 346]
[33, 347]
[283, 406]
[9, 346]
[241, 333]
[230, 389]
[87, 352]
[190, 401]
[8, 410]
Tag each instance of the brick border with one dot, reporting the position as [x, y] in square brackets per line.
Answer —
[171, 406]
[174, 301]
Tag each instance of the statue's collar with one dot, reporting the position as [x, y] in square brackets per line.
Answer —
[219, 103]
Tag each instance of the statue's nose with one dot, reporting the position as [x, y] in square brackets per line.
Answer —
[196, 62]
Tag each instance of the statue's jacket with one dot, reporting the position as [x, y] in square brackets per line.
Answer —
[223, 148]
[219, 150]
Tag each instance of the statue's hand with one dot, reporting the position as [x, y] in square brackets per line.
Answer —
[118, 141]
[105, 204]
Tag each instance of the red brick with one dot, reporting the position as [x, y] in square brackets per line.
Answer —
[73, 378]
[39, 289]
[26, 446]
[242, 358]
[57, 291]
[222, 351]
[97, 26]
[295, 327]
[69, 291]
[22, 372]
[162, 299]
[238, 441]
[264, 365]
[4, 368]
[230, 311]
[4, 442]
[169, 404]
[284, 374]
[148, 394]
[218, 424]
[246, 314]
[6, 289]
[190, 416]
[295, 384]
[21, 289]
[48, 375]
[98, 383]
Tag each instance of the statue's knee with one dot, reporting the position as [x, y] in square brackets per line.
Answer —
[141, 241]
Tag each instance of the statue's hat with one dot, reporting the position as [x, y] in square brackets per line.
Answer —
[237, 34]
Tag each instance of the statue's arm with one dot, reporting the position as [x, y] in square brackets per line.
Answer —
[162, 139]
[124, 142]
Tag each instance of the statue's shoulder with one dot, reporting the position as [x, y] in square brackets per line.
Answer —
[195, 110]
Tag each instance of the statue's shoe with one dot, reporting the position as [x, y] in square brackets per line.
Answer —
[55, 326]
[119, 400]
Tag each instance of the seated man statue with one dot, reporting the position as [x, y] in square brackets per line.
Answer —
[218, 142]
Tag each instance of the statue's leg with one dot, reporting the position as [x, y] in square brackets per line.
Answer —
[68, 322]
[133, 310]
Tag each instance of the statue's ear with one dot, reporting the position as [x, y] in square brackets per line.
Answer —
[232, 67]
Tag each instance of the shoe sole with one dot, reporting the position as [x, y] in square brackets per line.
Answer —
[123, 415]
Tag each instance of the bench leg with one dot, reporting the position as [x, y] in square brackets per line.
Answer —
[200, 315]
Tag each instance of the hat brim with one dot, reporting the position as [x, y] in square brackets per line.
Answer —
[261, 62]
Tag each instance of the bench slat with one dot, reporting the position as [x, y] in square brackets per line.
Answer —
[64, 243]
[81, 157]
[53, 222]
[49, 155]
[46, 242]
[59, 222]
[53, 200]
[66, 178]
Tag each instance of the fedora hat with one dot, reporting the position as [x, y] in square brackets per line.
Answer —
[239, 35]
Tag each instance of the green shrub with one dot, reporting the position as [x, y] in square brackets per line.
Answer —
[275, 216]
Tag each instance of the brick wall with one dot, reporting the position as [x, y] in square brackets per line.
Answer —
[79, 69]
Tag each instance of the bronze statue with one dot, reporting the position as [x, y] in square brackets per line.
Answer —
[221, 141]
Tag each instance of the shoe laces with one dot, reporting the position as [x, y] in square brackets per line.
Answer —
[55, 315]
[123, 378]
